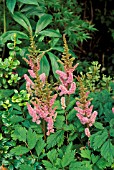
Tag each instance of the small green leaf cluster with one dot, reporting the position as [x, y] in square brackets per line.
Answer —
[8, 75]
[94, 79]
[21, 98]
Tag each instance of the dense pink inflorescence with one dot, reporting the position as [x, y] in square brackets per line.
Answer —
[67, 85]
[45, 112]
[85, 115]
[38, 109]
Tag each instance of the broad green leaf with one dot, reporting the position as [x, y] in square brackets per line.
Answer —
[71, 104]
[7, 35]
[68, 157]
[107, 151]
[112, 132]
[52, 155]
[47, 165]
[84, 165]
[34, 2]
[50, 33]
[5, 93]
[94, 158]
[26, 167]
[31, 138]
[98, 125]
[112, 123]
[98, 139]
[19, 133]
[102, 163]
[40, 146]
[19, 150]
[16, 119]
[11, 5]
[22, 20]
[71, 115]
[43, 22]
[56, 138]
[59, 121]
[44, 66]
[86, 154]
[54, 63]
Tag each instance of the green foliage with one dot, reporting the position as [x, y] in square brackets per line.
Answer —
[35, 29]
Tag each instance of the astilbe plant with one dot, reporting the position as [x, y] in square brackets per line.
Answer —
[67, 86]
[84, 108]
[42, 99]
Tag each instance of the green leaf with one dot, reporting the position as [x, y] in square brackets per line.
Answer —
[56, 138]
[44, 66]
[50, 33]
[98, 139]
[84, 165]
[107, 151]
[98, 125]
[26, 167]
[71, 104]
[86, 154]
[54, 63]
[47, 165]
[31, 138]
[52, 155]
[102, 163]
[71, 115]
[43, 22]
[5, 93]
[59, 122]
[94, 158]
[11, 5]
[16, 119]
[1, 136]
[22, 20]
[40, 146]
[112, 123]
[68, 157]
[34, 2]
[19, 133]
[19, 150]
[7, 35]
[112, 132]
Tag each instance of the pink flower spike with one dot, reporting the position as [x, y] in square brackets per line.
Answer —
[52, 100]
[63, 104]
[32, 112]
[43, 77]
[72, 88]
[113, 110]
[87, 132]
[32, 74]
[28, 80]
[63, 90]
[70, 78]
[79, 110]
[61, 74]
[93, 117]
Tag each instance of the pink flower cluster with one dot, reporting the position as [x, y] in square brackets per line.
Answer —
[39, 109]
[85, 115]
[67, 85]
[45, 112]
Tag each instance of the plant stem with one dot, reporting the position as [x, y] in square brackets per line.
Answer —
[4, 15]
[44, 129]
[4, 23]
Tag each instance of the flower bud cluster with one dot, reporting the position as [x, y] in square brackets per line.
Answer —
[84, 108]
